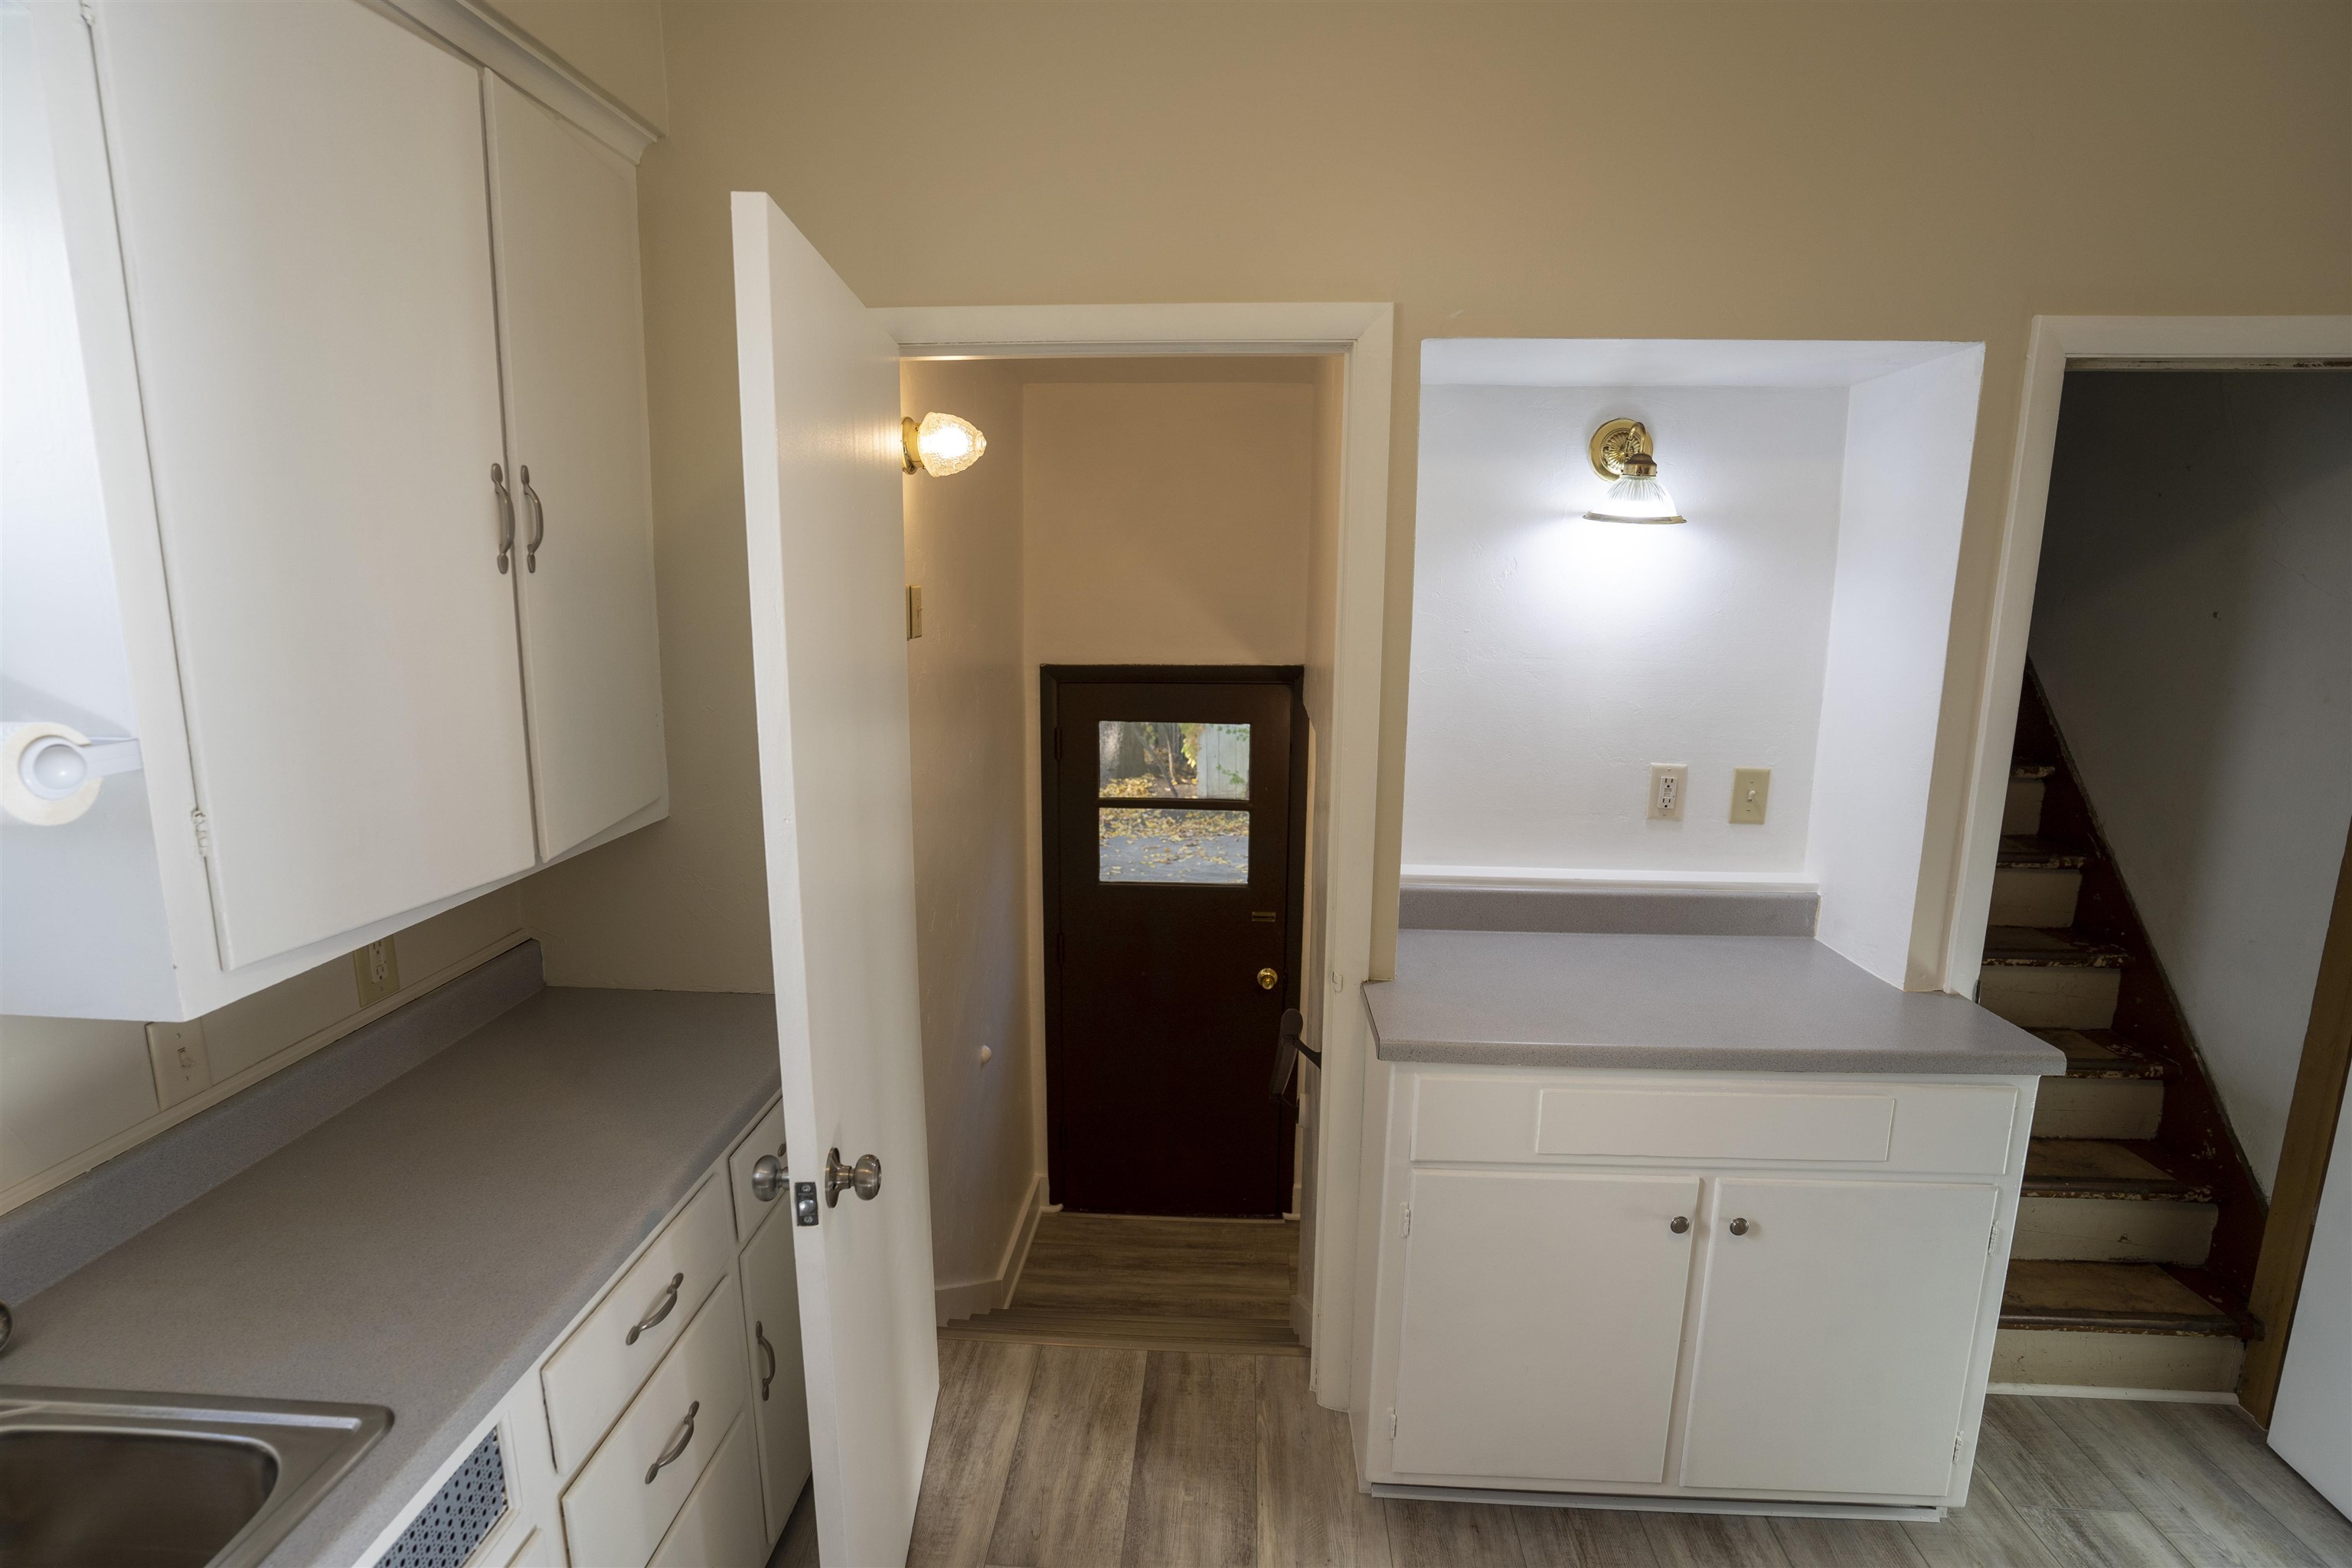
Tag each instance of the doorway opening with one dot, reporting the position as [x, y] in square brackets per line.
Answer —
[2173, 822]
[1119, 700]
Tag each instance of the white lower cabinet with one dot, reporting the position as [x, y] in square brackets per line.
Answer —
[1758, 1299]
[669, 1424]
[1584, 1277]
[1835, 1335]
[772, 1325]
[720, 1525]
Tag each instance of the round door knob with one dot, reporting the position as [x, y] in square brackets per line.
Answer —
[1740, 1227]
[1679, 1224]
[865, 1178]
[767, 1178]
[1267, 979]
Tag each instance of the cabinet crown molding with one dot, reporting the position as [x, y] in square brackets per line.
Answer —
[489, 40]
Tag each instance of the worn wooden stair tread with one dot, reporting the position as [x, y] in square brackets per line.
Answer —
[1122, 1331]
[2021, 853]
[2104, 1168]
[2124, 1297]
[2099, 1053]
[2030, 947]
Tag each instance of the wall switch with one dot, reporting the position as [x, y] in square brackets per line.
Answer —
[914, 611]
[182, 1066]
[378, 967]
[1667, 782]
[1752, 788]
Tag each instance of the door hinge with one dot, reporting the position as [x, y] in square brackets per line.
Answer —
[1392, 1421]
[203, 832]
[1406, 1228]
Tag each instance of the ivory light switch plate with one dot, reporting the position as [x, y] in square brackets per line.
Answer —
[1752, 789]
[1667, 783]
[182, 1066]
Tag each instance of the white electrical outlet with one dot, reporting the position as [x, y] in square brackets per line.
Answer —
[1752, 788]
[182, 1066]
[376, 969]
[1667, 783]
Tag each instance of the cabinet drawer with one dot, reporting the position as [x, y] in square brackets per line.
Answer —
[1929, 1128]
[720, 1525]
[592, 1375]
[620, 1504]
[767, 1137]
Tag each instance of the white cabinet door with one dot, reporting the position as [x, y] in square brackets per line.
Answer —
[772, 1327]
[566, 216]
[1543, 1315]
[825, 546]
[1835, 1335]
[720, 1525]
[306, 239]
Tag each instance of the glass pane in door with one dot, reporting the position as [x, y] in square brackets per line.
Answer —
[1163, 761]
[1141, 844]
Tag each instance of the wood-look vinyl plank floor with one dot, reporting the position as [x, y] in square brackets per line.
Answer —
[1159, 1458]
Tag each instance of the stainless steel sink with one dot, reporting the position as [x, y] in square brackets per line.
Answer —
[94, 1478]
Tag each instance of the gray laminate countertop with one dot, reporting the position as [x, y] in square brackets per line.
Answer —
[1677, 1003]
[421, 1248]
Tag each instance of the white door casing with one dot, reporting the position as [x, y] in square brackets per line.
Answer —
[827, 557]
[565, 212]
[1835, 1335]
[1543, 1319]
[305, 242]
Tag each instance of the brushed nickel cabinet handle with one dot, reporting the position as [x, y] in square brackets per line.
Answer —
[538, 521]
[677, 1445]
[662, 1309]
[759, 1332]
[506, 516]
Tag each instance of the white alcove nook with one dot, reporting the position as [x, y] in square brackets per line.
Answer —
[1796, 622]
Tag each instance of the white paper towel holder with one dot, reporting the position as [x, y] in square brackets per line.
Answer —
[50, 773]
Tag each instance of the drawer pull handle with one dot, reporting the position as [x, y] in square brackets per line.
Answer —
[1740, 1227]
[759, 1332]
[666, 1305]
[1679, 1224]
[538, 521]
[506, 516]
[677, 1443]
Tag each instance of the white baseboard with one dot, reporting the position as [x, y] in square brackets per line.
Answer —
[2094, 1391]
[1918, 1513]
[971, 1298]
[1302, 1320]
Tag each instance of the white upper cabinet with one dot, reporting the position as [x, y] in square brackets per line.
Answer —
[312, 290]
[565, 214]
[305, 233]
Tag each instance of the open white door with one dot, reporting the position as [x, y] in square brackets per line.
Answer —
[822, 518]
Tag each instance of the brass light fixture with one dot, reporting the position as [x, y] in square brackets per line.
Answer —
[940, 445]
[1620, 452]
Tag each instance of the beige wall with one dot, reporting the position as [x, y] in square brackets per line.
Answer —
[76, 1092]
[964, 680]
[1823, 171]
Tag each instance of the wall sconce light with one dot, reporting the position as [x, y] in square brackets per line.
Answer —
[1620, 452]
[941, 445]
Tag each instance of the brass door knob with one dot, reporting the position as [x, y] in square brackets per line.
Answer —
[1267, 979]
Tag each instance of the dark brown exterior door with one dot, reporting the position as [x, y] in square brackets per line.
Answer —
[1174, 838]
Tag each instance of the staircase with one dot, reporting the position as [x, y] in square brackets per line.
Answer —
[2139, 1224]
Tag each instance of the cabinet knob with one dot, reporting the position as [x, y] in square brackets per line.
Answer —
[1740, 1227]
[1679, 1224]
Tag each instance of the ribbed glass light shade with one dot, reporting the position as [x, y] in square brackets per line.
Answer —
[946, 445]
[1636, 499]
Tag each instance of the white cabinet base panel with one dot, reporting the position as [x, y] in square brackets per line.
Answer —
[1763, 1507]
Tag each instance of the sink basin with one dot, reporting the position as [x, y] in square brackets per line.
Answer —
[91, 1477]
